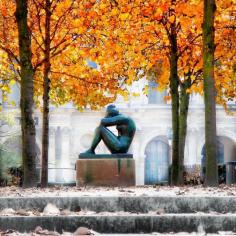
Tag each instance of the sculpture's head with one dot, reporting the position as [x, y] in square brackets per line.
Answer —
[112, 111]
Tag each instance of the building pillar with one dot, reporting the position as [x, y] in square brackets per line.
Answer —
[52, 156]
[67, 173]
[139, 160]
[140, 170]
[191, 148]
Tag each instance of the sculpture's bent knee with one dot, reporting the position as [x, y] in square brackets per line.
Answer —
[98, 129]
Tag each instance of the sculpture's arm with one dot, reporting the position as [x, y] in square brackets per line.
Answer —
[115, 120]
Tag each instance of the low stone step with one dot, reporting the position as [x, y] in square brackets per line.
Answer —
[135, 223]
[140, 204]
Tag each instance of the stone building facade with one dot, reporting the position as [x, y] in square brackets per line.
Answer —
[71, 132]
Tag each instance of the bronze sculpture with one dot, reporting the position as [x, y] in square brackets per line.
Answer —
[116, 144]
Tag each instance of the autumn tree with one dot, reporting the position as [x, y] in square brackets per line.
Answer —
[209, 93]
[61, 32]
[59, 62]
[27, 102]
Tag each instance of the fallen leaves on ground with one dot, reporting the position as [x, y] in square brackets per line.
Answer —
[222, 190]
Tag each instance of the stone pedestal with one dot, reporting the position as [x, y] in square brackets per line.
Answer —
[99, 170]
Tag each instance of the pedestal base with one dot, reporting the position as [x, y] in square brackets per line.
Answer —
[105, 172]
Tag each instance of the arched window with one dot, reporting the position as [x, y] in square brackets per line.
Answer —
[220, 161]
[157, 162]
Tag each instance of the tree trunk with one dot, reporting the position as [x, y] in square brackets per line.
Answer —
[46, 90]
[209, 93]
[27, 93]
[174, 85]
[183, 116]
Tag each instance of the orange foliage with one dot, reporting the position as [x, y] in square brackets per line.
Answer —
[132, 38]
[71, 77]
[127, 39]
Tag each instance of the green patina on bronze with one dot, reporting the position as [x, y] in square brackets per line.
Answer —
[116, 144]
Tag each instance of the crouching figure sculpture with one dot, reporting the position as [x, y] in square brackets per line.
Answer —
[116, 144]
